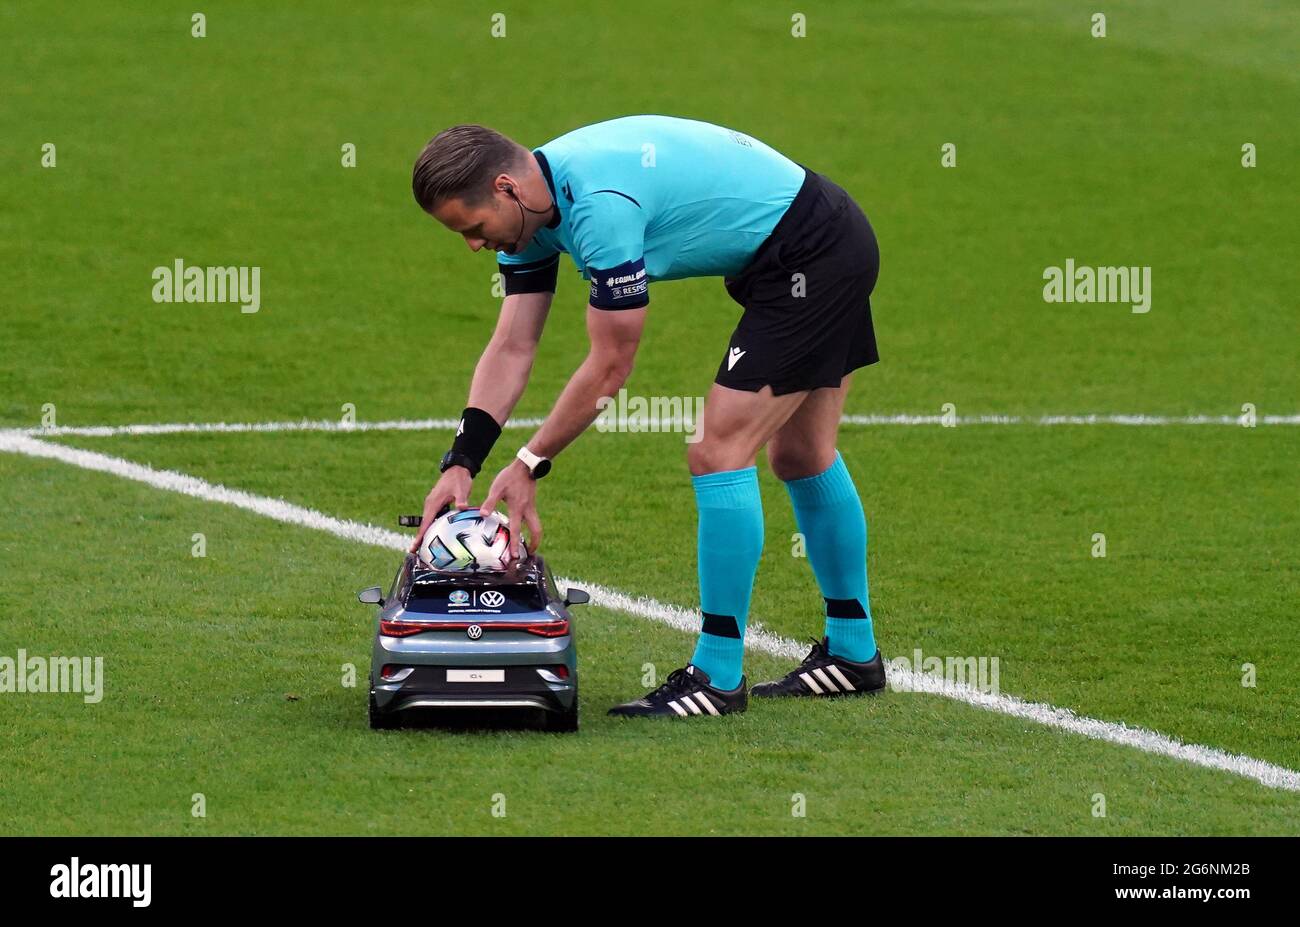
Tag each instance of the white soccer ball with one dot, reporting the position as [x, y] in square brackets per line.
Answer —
[465, 540]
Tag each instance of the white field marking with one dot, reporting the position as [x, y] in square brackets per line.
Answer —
[171, 481]
[649, 424]
[757, 638]
[1090, 419]
[169, 428]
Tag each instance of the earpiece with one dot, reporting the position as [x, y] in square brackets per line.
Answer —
[510, 192]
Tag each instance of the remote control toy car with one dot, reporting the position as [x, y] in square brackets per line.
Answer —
[481, 639]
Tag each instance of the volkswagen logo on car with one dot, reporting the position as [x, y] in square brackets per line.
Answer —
[491, 599]
[474, 632]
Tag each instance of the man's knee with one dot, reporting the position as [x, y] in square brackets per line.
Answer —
[796, 461]
[715, 456]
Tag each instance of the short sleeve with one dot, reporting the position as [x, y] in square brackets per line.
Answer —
[532, 270]
[608, 230]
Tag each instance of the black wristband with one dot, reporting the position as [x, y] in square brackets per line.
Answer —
[452, 459]
[475, 435]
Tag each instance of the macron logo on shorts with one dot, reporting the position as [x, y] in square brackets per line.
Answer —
[735, 355]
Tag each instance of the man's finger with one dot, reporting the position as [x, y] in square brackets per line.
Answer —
[534, 530]
[419, 535]
[432, 505]
[513, 526]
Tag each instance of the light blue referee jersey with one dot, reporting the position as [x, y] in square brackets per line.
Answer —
[646, 198]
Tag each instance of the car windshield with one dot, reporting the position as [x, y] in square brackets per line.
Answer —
[450, 599]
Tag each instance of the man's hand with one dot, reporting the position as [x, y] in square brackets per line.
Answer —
[452, 487]
[516, 487]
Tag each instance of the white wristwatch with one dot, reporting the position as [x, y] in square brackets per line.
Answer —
[537, 466]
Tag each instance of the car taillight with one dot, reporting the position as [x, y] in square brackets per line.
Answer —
[402, 628]
[544, 628]
[560, 670]
[557, 628]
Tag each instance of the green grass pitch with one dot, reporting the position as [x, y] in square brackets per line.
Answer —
[223, 673]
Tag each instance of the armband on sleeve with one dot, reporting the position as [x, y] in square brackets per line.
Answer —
[621, 287]
[533, 277]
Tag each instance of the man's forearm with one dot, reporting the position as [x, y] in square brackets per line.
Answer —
[499, 380]
[576, 408]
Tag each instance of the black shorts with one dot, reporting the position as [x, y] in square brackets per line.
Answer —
[807, 297]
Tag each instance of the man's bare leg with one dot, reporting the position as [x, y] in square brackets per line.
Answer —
[805, 445]
[799, 430]
[735, 425]
[830, 518]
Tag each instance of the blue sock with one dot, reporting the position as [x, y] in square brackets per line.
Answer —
[730, 541]
[829, 514]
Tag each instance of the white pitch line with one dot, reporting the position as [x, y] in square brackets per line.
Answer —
[327, 425]
[1268, 774]
[1048, 420]
[649, 424]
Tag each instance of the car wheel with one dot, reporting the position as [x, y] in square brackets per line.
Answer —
[381, 720]
[565, 722]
